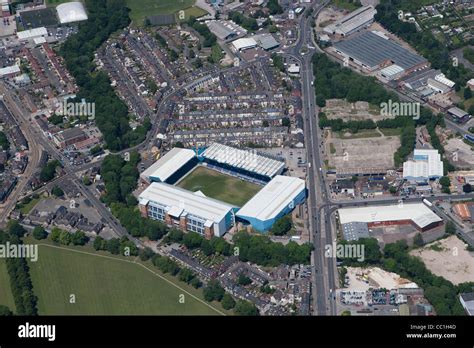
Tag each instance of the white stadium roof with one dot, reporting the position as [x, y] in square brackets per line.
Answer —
[71, 12]
[419, 213]
[243, 159]
[169, 164]
[273, 198]
[179, 200]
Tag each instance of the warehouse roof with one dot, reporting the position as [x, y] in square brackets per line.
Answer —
[425, 164]
[32, 33]
[243, 159]
[71, 12]
[244, 43]
[219, 29]
[372, 50]
[179, 200]
[419, 213]
[455, 111]
[352, 21]
[14, 69]
[271, 200]
[266, 41]
[167, 165]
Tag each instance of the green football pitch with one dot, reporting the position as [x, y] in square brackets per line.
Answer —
[106, 285]
[219, 186]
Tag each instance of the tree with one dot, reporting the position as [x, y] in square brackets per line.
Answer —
[185, 275]
[467, 93]
[467, 188]
[213, 291]
[192, 240]
[15, 229]
[146, 254]
[79, 238]
[245, 308]
[392, 190]
[243, 280]
[113, 246]
[418, 240]
[450, 227]
[5, 311]
[282, 225]
[57, 191]
[228, 301]
[196, 283]
[86, 180]
[39, 233]
[99, 243]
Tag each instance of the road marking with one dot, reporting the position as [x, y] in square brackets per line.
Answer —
[135, 263]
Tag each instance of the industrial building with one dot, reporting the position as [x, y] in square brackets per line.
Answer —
[244, 44]
[458, 115]
[372, 51]
[279, 197]
[32, 33]
[10, 71]
[415, 214]
[352, 22]
[170, 167]
[463, 211]
[266, 41]
[225, 30]
[425, 165]
[245, 163]
[186, 210]
[71, 12]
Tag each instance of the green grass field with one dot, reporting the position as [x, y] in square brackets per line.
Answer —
[144, 8]
[6, 297]
[219, 186]
[108, 285]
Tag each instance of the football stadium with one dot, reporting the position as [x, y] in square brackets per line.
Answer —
[210, 190]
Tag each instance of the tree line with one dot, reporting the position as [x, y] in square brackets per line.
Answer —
[112, 117]
[19, 273]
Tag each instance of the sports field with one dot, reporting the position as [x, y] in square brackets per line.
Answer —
[108, 285]
[6, 297]
[219, 186]
[140, 9]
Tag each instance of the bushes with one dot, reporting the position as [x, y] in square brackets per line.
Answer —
[282, 226]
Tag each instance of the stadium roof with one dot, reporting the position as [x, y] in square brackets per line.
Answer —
[272, 199]
[32, 33]
[71, 12]
[419, 213]
[467, 300]
[425, 164]
[372, 50]
[243, 159]
[167, 165]
[179, 200]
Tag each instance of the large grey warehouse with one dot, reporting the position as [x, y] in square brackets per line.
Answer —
[372, 51]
